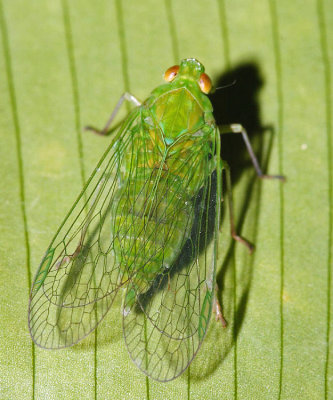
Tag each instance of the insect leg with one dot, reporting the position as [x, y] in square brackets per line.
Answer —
[217, 309]
[238, 128]
[126, 96]
[231, 210]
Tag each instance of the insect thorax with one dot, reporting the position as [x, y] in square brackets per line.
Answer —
[177, 112]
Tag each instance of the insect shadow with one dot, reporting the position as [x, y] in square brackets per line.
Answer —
[238, 103]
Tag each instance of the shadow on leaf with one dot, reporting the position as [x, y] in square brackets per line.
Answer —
[238, 103]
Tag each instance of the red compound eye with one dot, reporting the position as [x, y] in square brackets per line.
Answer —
[171, 73]
[205, 83]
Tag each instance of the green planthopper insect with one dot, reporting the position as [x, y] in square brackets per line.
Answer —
[147, 221]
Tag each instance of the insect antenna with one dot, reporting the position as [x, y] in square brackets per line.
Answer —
[225, 86]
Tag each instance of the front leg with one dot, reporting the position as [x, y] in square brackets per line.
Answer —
[126, 96]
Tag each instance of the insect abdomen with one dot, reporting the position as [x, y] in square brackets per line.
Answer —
[149, 231]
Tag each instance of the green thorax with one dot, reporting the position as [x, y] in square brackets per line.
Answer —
[179, 107]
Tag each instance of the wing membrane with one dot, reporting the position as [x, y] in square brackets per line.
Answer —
[144, 224]
[79, 276]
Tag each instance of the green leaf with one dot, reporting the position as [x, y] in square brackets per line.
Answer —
[64, 65]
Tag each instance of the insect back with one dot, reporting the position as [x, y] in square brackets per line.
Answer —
[146, 222]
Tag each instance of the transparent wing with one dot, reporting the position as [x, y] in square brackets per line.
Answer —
[165, 325]
[79, 276]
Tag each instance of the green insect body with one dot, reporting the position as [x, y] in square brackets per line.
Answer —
[165, 144]
[147, 221]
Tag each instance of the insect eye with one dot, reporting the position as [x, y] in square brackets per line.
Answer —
[171, 73]
[205, 83]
